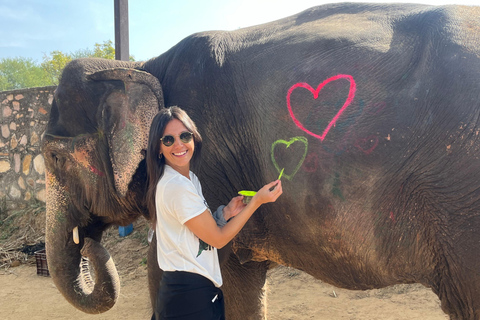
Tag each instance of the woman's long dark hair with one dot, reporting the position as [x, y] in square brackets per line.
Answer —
[156, 164]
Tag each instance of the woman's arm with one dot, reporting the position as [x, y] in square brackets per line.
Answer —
[205, 227]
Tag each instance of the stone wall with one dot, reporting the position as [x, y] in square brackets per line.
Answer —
[24, 115]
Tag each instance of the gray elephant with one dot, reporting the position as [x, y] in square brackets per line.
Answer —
[371, 113]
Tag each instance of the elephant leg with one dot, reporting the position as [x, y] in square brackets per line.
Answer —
[457, 275]
[154, 272]
[243, 288]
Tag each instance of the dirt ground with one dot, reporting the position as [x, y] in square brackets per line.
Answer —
[291, 294]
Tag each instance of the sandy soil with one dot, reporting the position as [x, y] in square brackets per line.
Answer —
[292, 294]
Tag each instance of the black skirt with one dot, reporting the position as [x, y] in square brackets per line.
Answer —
[188, 296]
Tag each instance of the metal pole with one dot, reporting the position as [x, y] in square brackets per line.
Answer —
[121, 30]
[121, 53]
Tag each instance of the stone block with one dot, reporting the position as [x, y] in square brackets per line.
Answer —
[7, 112]
[41, 195]
[16, 161]
[21, 183]
[34, 139]
[26, 164]
[23, 140]
[5, 131]
[13, 142]
[39, 164]
[4, 166]
[15, 193]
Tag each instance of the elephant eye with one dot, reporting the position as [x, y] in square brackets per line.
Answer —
[57, 161]
[54, 157]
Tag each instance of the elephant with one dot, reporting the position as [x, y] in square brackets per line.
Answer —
[369, 112]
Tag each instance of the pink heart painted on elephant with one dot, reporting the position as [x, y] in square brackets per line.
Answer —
[367, 145]
[315, 92]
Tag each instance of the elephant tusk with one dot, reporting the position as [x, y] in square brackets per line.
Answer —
[76, 239]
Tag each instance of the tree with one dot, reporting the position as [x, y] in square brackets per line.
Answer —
[16, 73]
[105, 50]
[54, 64]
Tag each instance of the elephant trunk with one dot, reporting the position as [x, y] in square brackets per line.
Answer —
[70, 272]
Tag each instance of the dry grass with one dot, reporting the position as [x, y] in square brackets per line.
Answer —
[23, 228]
[19, 229]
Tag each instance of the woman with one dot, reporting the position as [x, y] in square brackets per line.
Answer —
[187, 234]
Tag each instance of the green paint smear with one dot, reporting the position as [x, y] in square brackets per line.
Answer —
[336, 187]
[247, 193]
[337, 192]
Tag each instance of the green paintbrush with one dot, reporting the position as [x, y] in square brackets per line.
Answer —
[281, 173]
[247, 195]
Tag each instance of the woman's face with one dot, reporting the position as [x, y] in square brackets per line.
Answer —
[179, 154]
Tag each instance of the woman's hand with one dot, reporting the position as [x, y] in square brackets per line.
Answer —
[269, 192]
[233, 208]
[205, 227]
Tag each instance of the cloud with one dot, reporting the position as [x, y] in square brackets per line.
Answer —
[13, 44]
[19, 13]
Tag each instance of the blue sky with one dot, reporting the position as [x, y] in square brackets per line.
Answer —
[32, 28]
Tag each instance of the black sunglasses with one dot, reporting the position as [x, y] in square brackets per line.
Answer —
[169, 140]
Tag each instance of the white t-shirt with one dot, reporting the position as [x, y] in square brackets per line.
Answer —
[178, 200]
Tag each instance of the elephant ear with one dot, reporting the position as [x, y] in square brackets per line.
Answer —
[132, 100]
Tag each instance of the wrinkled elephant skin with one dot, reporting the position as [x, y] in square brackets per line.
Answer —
[369, 111]
[95, 176]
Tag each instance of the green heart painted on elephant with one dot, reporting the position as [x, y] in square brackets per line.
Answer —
[288, 143]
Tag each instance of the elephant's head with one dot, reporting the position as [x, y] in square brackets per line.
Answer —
[95, 172]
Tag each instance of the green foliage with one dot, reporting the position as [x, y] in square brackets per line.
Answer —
[16, 73]
[54, 64]
[105, 50]
[7, 226]
[36, 206]
[21, 72]
[3, 208]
